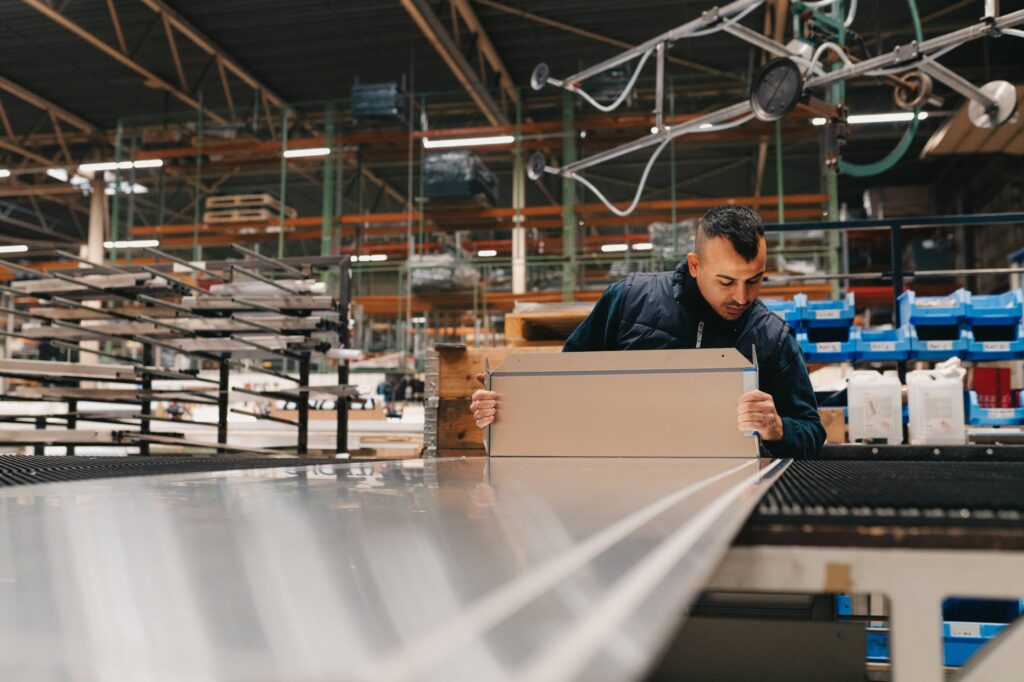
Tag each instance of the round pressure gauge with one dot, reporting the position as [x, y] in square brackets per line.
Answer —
[776, 89]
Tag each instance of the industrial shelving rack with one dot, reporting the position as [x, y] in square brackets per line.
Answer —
[232, 314]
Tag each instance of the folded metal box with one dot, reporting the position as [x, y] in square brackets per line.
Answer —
[671, 403]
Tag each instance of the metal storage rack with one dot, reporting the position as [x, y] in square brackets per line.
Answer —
[227, 313]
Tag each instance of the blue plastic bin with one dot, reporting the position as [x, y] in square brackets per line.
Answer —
[933, 310]
[829, 351]
[995, 309]
[936, 349]
[828, 313]
[1011, 347]
[992, 416]
[883, 345]
[960, 641]
[790, 311]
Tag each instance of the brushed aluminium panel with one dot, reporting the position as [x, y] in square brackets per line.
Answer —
[424, 569]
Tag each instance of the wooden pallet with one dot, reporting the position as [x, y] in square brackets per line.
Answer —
[239, 215]
[234, 201]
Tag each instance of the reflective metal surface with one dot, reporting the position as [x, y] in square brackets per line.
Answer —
[423, 569]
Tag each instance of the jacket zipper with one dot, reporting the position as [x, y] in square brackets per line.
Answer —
[700, 333]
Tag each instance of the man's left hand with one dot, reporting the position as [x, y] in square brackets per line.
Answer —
[756, 412]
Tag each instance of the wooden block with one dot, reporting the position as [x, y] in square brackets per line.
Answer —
[456, 429]
[552, 326]
[459, 367]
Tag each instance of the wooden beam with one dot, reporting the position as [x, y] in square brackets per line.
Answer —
[169, 32]
[117, 26]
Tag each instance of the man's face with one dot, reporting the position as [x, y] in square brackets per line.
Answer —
[728, 282]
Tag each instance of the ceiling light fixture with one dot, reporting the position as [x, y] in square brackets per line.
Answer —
[100, 166]
[468, 142]
[614, 248]
[486, 253]
[643, 246]
[13, 248]
[861, 119]
[133, 244]
[4, 173]
[306, 152]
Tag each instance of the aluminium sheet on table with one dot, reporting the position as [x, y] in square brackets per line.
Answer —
[449, 569]
[666, 403]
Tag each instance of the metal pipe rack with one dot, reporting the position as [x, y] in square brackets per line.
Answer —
[228, 313]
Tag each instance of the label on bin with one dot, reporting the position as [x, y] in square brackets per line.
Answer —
[992, 346]
[831, 347]
[1001, 413]
[939, 345]
[964, 629]
[883, 345]
[826, 315]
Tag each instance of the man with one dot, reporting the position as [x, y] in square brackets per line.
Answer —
[710, 301]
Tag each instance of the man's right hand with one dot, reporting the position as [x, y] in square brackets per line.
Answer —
[484, 405]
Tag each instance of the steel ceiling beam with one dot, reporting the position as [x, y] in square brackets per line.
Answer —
[439, 37]
[115, 54]
[41, 102]
[576, 30]
[224, 59]
[486, 46]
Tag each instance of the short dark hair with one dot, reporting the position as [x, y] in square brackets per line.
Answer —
[742, 226]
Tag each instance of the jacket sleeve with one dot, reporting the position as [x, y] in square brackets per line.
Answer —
[803, 434]
[600, 331]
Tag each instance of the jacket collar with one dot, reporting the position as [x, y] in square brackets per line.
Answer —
[687, 292]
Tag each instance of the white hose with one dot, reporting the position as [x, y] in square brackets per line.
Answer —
[1014, 32]
[851, 14]
[643, 60]
[647, 169]
[830, 46]
[625, 93]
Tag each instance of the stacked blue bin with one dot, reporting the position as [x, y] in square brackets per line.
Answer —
[994, 329]
[790, 311]
[934, 324]
[827, 333]
[993, 416]
[883, 345]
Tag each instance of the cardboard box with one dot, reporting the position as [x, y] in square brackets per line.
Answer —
[672, 403]
[834, 421]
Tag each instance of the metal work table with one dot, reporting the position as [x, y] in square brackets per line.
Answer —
[539, 569]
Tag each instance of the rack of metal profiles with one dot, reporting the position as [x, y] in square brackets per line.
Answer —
[164, 323]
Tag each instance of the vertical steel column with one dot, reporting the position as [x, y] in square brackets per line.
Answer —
[197, 210]
[518, 203]
[568, 200]
[147, 385]
[896, 244]
[223, 392]
[344, 340]
[284, 180]
[115, 209]
[836, 96]
[72, 421]
[327, 205]
[303, 403]
[40, 449]
[672, 171]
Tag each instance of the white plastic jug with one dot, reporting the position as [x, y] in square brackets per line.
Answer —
[937, 405]
[875, 408]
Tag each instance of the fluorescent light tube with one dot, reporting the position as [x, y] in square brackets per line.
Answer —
[306, 152]
[860, 119]
[486, 253]
[133, 244]
[100, 166]
[643, 246]
[13, 248]
[4, 173]
[468, 142]
[613, 248]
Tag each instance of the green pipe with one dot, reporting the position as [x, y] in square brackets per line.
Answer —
[327, 204]
[196, 211]
[284, 180]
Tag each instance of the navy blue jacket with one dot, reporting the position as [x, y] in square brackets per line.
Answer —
[654, 311]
